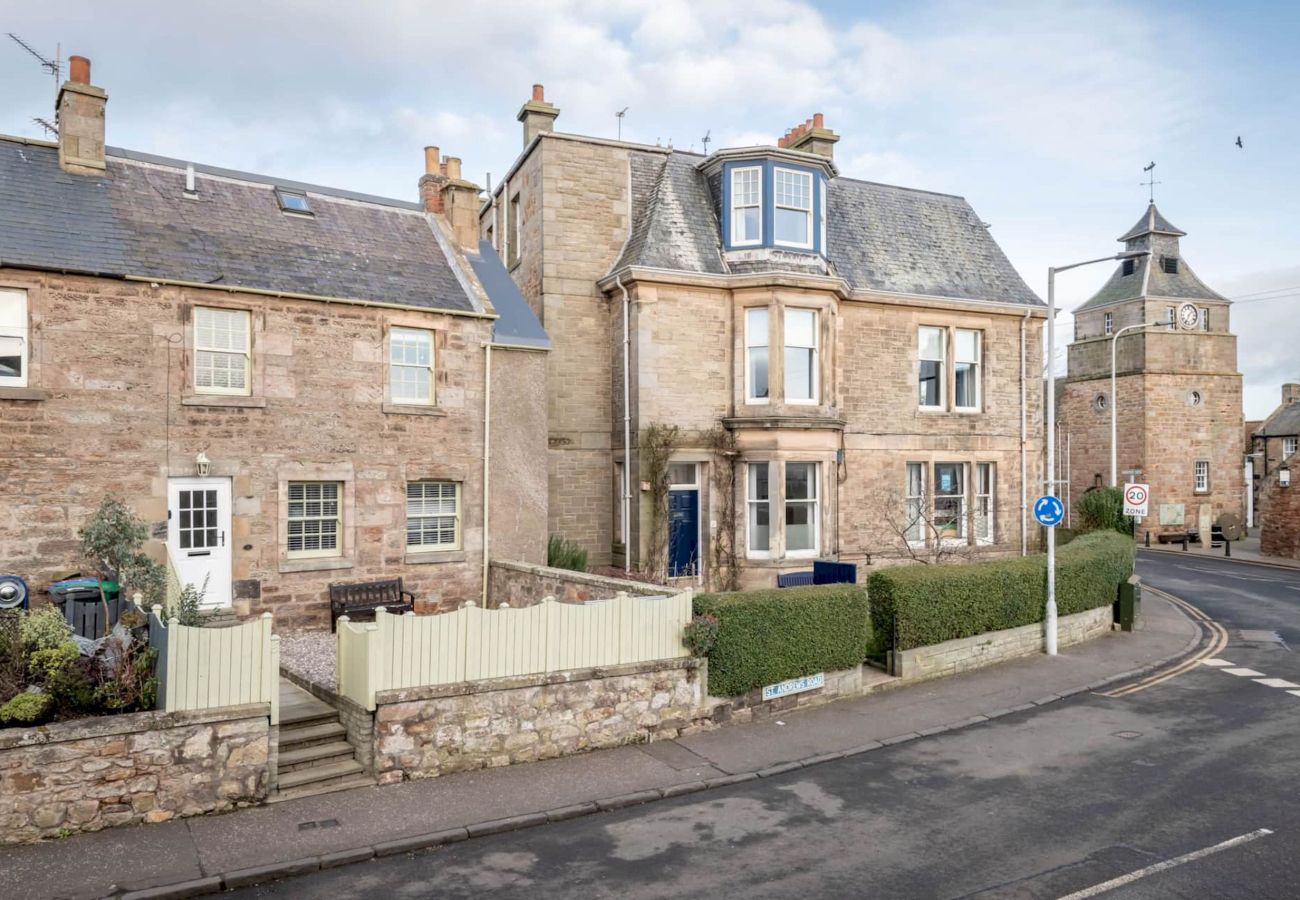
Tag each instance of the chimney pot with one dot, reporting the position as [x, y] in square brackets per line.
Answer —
[539, 93]
[431, 158]
[79, 69]
[819, 121]
[453, 168]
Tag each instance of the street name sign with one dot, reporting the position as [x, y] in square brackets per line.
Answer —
[1049, 510]
[1137, 498]
[794, 686]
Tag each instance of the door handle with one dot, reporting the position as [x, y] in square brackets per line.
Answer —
[223, 539]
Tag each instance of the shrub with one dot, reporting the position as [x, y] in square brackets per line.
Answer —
[1102, 509]
[113, 538]
[917, 606]
[700, 634]
[186, 610]
[45, 629]
[565, 554]
[25, 709]
[769, 636]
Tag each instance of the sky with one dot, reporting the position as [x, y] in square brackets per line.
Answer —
[1041, 113]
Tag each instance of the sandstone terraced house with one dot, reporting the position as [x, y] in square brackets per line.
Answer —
[848, 364]
[1178, 404]
[289, 382]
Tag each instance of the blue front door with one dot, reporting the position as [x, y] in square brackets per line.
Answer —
[683, 533]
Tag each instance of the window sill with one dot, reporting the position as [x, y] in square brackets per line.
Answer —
[23, 393]
[323, 564]
[413, 409]
[432, 557]
[224, 401]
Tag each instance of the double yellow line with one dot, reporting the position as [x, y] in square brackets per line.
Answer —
[1218, 640]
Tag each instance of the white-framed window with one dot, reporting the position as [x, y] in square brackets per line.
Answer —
[1202, 475]
[930, 351]
[514, 232]
[14, 350]
[792, 208]
[746, 206]
[410, 365]
[433, 515]
[756, 344]
[801, 376]
[802, 525]
[682, 475]
[758, 510]
[1205, 318]
[984, 502]
[966, 369]
[950, 501]
[221, 351]
[1288, 447]
[915, 503]
[1109, 321]
[315, 519]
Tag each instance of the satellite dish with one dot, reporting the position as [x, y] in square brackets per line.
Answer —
[1230, 525]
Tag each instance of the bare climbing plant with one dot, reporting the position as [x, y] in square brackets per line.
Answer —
[724, 574]
[656, 446]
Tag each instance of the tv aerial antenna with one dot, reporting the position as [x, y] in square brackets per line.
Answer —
[706, 140]
[53, 66]
[619, 115]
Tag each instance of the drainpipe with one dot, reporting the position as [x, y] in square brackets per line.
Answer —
[1024, 471]
[627, 428]
[487, 467]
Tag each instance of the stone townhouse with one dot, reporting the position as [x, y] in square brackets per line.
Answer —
[1178, 397]
[853, 367]
[293, 384]
[1273, 443]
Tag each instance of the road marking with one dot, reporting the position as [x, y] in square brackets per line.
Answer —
[1216, 663]
[1243, 673]
[1296, 693]
[1276, 682]
[1167, 864]
[1218, 641]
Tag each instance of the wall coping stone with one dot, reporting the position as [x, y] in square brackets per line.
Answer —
[636, 588]
[126, 723]
[488, 685]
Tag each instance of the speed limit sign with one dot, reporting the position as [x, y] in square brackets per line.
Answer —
[1136, 498]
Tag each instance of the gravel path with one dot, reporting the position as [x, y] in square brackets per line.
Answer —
[310, 655]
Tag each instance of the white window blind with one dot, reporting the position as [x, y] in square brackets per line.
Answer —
[221, 347]
[966, 369]
[314, 519]
[915, 500]
[433, 515]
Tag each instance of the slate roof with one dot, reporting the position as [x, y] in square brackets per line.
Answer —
[518, 323]
[880, 237]
[1181, 285]
[133, 220]
[1284, 421]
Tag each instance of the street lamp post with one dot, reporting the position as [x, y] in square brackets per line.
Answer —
[1049, 632]
[1114, 400]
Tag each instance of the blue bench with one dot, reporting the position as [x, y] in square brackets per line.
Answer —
[824, 571]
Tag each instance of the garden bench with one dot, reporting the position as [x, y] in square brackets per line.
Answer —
[351, 599]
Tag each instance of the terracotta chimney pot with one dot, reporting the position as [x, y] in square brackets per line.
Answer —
[431, 158]
[539, 93]
[818, 120]
[79, 69]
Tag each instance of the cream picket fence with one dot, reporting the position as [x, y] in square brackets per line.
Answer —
[202, 668]
[472, 643]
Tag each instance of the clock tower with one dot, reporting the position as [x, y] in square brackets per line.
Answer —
[1178, 392]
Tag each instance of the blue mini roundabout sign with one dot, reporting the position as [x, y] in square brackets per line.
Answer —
[1049, 510]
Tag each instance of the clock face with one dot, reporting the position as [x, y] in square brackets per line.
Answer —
[1188, 316]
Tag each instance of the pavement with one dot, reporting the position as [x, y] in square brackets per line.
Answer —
[255, 846]
[1179, 784]
[1245, 550]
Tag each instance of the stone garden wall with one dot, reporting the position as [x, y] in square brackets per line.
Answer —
[429, 731]
[522, 584]
[124, 770]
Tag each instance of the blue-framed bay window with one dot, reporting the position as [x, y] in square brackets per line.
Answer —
[773, 203]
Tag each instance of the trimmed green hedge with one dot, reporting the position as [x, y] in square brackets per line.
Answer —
[773, 635]
[917, 606]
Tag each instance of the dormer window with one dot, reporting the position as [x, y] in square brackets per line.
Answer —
[773, 204]
[746, 206]
[794, 208]
[293, 202]
[1169, 265]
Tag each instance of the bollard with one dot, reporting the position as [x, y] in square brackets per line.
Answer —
[1184, 542]
[1148, 537]
[1227, 547]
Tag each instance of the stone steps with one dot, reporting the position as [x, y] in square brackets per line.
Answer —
[310, 735]
[320, 775]
[315, 790]
[315, 757]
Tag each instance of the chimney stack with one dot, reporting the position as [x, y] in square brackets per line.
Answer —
[444, 192]
[1290, 393]
[80, 110]
[811, 136]
[537, 115]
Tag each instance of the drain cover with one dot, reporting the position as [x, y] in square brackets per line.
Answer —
[1128, 735]
[319, 823]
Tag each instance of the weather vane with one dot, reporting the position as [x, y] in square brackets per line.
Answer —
[1151, 180]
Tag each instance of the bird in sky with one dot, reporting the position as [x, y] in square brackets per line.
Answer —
[1240, 145]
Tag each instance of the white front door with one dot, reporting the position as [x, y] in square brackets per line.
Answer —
[198, 534]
